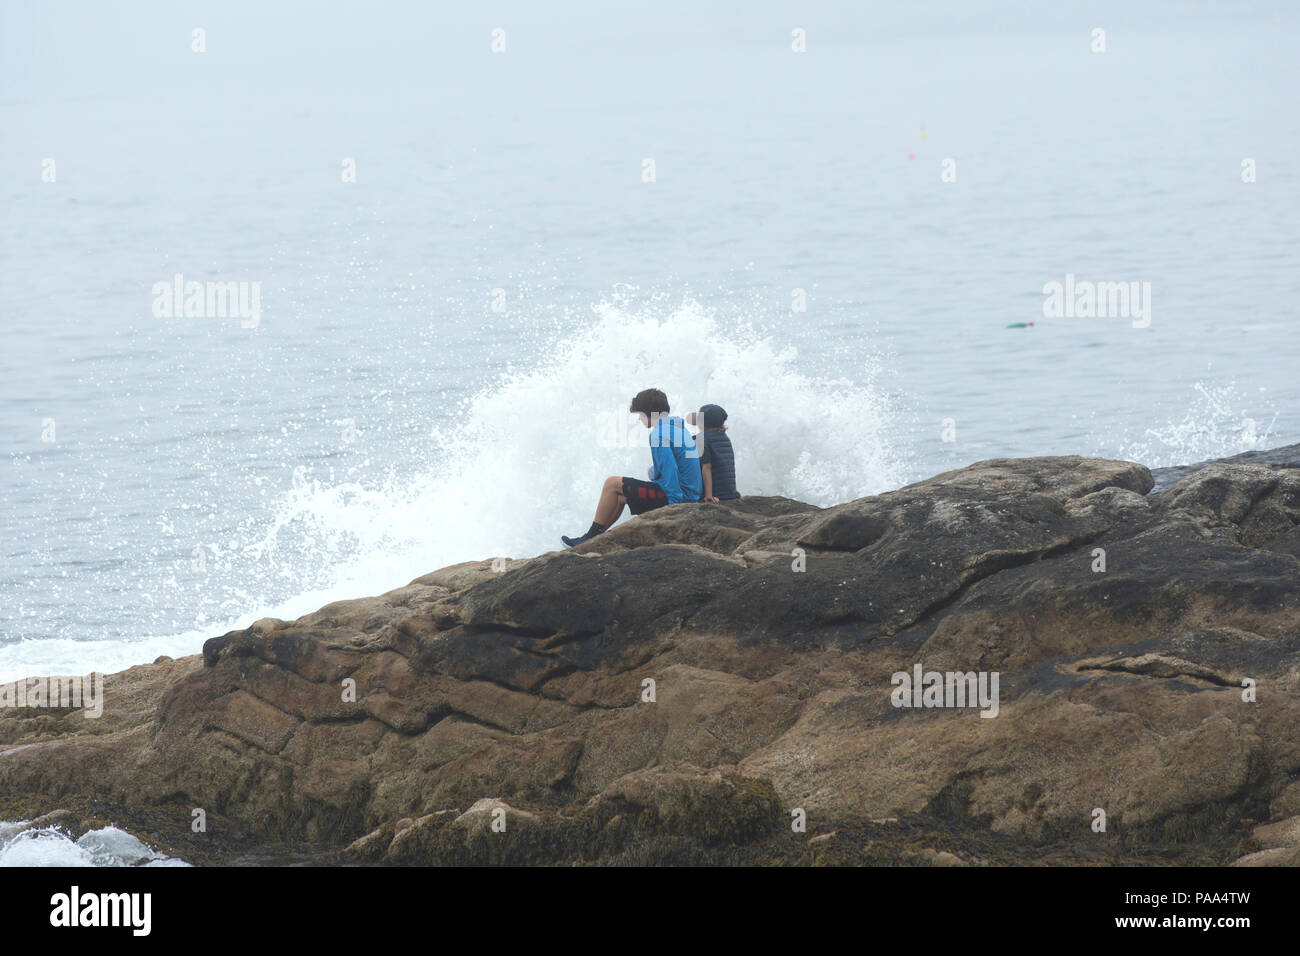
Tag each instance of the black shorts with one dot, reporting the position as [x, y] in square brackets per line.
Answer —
[643, 496]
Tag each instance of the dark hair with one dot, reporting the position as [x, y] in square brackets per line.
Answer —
[649, 402]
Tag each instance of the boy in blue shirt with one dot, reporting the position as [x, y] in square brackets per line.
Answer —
[675, 472]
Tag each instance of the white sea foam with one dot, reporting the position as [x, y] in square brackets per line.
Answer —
[50, 846]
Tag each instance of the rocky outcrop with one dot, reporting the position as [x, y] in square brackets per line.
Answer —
[716, 683]
[1287, 456]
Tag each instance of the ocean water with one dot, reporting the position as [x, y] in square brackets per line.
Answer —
[445, 348]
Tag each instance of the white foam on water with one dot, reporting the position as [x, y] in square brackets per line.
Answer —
[50, 846]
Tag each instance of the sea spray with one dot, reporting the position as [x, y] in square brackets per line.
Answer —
[1220, 421]
[524, 458]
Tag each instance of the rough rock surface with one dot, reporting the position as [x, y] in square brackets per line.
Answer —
[1286, 456]
[480, 716]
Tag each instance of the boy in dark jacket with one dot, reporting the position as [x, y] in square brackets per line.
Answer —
[717, 459]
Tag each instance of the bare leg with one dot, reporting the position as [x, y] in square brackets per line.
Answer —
[611, 503]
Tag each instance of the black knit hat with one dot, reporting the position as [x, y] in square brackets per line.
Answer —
[712, 416]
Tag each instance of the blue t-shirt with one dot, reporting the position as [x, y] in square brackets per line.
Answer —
[676, 461]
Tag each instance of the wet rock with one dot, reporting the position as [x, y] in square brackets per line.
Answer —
[681, 688]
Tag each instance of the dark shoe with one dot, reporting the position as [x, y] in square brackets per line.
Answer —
[573, 542]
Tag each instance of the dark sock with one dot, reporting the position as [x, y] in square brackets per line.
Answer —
[594, 530]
